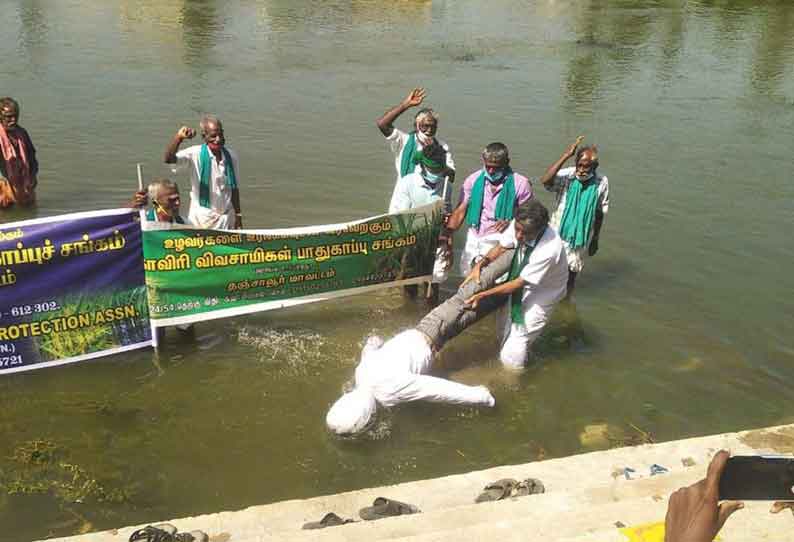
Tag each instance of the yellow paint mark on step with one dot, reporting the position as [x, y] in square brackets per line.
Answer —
[650, 532]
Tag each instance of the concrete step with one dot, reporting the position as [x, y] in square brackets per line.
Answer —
[589, 486]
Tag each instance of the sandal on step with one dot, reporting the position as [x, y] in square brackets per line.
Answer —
[162, 533]
[530, 486]
[192, 536]
[385, 508]
[498, 490]
[329, 520]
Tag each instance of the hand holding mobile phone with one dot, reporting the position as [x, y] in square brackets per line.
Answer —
[758, 477]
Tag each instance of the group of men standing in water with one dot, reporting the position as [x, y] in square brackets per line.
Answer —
[491, 194]
[517, 260]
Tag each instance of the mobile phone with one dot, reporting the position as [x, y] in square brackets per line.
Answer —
[758, 478]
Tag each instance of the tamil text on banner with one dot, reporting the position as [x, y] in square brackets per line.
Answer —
[71, 288]
[195, 275]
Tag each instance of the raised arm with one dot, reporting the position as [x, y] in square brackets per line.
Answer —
[170, 151]
[548, 178]
[386, 122]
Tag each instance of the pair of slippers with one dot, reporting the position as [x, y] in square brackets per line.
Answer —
[381, 508]
[508, 487]
[165, 532]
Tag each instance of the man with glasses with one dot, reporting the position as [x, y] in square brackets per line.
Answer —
[18, 164]
[582, 203]
[490, 197]
[405, 145]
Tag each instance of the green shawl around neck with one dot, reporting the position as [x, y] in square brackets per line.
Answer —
[205, 168]
[577, 218]
[505, 203]
[516, 298]
[408, 162]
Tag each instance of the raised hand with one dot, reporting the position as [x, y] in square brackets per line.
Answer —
[415, 97]
[186, 133]
[571, 150]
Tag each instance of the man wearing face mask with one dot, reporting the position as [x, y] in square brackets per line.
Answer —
[18, 164]
[404, 145]
[582, 204]
[490, 197]
[214, 169]
[421, 187]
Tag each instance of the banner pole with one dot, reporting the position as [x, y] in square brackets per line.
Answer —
[142, 212]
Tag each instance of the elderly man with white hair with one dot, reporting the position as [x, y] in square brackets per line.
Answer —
[405, 145]
[214, 170]
[165, 198]
[397, 371]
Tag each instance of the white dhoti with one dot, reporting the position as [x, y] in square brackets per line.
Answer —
[211, 218]
[517, 339]
[440, 267]
[476, 246]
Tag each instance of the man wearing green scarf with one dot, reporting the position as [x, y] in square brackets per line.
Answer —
[422, 187]
[165, 199]
[582, 203]
[214, 170]
[490, 197]
[405, 145]
[535, 283]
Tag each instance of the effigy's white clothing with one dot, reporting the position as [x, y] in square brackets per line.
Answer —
[396, 373]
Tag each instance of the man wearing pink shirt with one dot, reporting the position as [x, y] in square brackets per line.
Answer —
[490, 198]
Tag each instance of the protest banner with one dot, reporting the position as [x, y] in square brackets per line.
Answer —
[71, 288]
[194, 275]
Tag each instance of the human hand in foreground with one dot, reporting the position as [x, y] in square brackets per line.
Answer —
[415, 97]
[694, 513]
[139, 200]
[186, 133]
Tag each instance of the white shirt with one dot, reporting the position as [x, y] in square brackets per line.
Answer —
[396, 373]
[220, 214]
[412, 191]
[398, 138]
[546, 271]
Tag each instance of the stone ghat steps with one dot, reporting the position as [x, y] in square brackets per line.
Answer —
[585, 494]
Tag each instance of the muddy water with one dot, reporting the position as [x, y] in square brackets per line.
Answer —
[682, 323]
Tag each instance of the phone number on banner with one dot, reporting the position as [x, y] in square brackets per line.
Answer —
[35, 308]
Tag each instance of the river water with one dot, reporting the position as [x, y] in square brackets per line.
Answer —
[682, 323]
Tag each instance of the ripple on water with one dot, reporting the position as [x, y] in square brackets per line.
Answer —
[298, 352]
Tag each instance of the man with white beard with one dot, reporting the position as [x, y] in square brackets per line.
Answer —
[405, 145]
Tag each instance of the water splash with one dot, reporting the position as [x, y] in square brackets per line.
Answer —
[297, 351]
